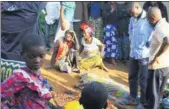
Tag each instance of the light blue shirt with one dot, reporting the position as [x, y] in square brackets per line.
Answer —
[139, 34]
[69, 10]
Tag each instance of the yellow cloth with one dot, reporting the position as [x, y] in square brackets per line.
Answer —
[73, 105]
[88, 63]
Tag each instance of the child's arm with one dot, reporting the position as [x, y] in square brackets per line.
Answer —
[12, 85]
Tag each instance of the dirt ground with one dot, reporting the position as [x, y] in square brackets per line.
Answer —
[64, 82]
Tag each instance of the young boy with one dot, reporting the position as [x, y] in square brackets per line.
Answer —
[93, 96]
[25, 88]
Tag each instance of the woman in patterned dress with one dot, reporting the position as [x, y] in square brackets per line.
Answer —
[109, 38]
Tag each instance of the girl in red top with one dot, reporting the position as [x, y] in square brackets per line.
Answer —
[65, 55]
[26, 88]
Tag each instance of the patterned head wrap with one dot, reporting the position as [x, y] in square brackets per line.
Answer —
[86, 27]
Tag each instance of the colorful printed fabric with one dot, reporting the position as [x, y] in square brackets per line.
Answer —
[7, 67]
[110, 41]
[87, 28]
[97, 25]
[115, 89]
[92, 62]
[25, 90]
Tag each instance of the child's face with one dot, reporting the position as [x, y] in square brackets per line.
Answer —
[68, 37]
[34, 57]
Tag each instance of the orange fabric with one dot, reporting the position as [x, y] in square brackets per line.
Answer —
[86, 27]
[63, 49]
[69, 44]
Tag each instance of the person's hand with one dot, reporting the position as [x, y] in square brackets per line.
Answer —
[86, 52]
[102, 53]
[151, 62]
[53, 94]
[62, 9]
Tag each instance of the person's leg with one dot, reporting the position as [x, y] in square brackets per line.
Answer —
[143, 75]
[98, 28]
[150, 95]
[161, 78]
[156, 80]
[125, 48]
[76, 59]
[119, 47]
[164, 78]
[55, 25]
[153, 89]
[52, 61]
[75, 62]
[133, 77]
[47, 33]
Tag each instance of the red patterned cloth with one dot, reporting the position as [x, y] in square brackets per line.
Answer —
[25, 90]
[86, 27]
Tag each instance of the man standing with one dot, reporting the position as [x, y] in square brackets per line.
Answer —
[18, 19]
[139, 36]
[159, 57]
[159, 4]
[52, 16]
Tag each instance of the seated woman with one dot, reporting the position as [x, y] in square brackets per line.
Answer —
[65, 55]
[92, 49]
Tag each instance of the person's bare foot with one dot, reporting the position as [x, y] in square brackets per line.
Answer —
[105, 69]
[114, 62]
[76, 70]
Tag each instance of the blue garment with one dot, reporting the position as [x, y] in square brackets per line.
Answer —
[69, 10]
[110, 41]
[18, 20]
[138, 74]
[48, 29]
[95, 10]
[139, 34]
[123, 47]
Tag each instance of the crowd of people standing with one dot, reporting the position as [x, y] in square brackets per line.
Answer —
[84, 34]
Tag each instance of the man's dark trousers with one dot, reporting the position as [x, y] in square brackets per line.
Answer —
[156, 82]
[138, 74]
